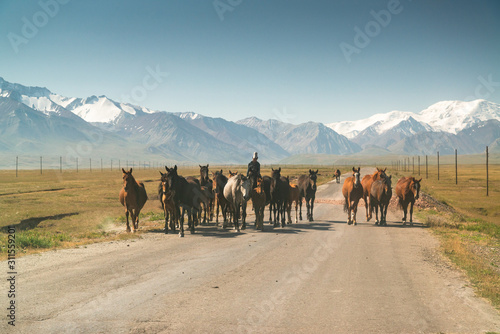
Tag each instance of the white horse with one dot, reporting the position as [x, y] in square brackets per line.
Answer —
[237, 192]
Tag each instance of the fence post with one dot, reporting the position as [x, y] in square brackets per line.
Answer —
[60, 164]
[77, 165]
[426, 168]
[487, 176]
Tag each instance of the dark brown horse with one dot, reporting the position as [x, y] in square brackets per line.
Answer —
[407, 190]
[218, 184]
[367, 185]
[259, 203]
[336, 175]
[352, 191]
[279, 197]
[206, 182]
[133, 197]
[307, 189]
[171, 211]
[380, 196]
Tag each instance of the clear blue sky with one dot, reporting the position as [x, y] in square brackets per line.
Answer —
[271, 59]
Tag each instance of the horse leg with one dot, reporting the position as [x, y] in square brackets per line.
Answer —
[283, 214]
[126, 215]
[217, 210]
[192, 214]
[244, 215]
[137, 212]
[411, 213]
[386, 205]
[289, 211]
[236, 218]
[300, 207]
[132, 217]
[354, 211]
[308, 207]
[405, 211]
[312, 209]
[181, 224]
[165, 210]
[296, 213]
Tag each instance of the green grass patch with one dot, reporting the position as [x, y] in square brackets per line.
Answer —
[37, 239]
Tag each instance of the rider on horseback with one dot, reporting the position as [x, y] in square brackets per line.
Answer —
[253, 170]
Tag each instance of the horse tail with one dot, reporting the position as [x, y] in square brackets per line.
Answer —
[399, 203]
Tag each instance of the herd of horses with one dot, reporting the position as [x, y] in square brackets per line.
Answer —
[376, 191]
[204, 199]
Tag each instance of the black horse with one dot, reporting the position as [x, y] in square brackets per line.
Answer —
[186, 195]
[307, 189]
[219, 182]
[279, 197]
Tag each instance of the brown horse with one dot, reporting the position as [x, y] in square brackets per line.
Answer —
[407, 190]
[336, 175]
[352, 191]
[167, 202]
[380, 196]
[133, 197]
[259, 203]
[367, 185]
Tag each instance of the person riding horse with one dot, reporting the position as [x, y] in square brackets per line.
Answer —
[253, 170]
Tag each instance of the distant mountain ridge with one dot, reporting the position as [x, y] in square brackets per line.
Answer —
[35, 120]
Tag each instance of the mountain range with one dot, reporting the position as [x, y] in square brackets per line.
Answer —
[35, 121]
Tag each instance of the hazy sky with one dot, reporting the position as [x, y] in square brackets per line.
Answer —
[292, 60]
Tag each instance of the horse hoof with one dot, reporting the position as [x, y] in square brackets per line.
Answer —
[181, 235]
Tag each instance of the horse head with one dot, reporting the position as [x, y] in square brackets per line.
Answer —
[128, 179]
[415, 187]
[356, 174]
[313, 177]
[276, 173]
[204, 172]
[388, 182]
[170, 176]
[246, 187]
[253, 178]
[379, 174]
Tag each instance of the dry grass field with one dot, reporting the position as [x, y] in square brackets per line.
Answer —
[467, 221]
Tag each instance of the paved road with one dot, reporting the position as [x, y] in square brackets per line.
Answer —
[319, 277]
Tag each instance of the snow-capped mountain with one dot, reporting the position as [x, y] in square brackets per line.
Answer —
[34, 120]
[447, 116]
[454, 116]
